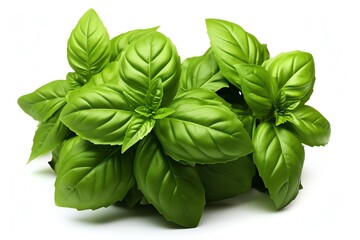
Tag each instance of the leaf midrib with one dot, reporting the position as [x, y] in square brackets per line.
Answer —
[197, 124]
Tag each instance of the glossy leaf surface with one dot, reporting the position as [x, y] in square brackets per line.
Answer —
[92, 176]
[202, 131]
[259, 88]
[163, 113]
[99, 114]
[122, 41]
[154, 94]
[225, 180]
[295, 74]
[138, 128]
[279, 157]
[145, 60]
[75, 80]
[174, 189]
[233, 45]
[46, 100]
[311, 126]
[88, 48]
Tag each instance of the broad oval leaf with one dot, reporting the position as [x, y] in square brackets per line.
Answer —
[294, 73]
[174, 189]
[122, 41]
[233, 45]
[99, 114]
[201, 72]
[225, 180]
[138, 128]
[92, 176]
[311, 126]
[88, 48]
[258, 87]
[279, 157]
[48, 136]
[46, 100]
[146, 59]
[202, 131]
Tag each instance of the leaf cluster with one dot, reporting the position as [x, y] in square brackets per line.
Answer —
[134, 124]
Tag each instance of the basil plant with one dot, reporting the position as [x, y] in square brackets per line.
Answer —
[133, 124]
[270, 95]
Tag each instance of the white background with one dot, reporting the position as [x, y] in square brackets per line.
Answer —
[33, 37]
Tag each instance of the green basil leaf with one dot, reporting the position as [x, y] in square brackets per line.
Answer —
[122, 41]
[202, 131]
[146, 59]
[99, 114]
[144, 111]
[265, 52]
[46, 100]
[225, 180]
[75, 79]
[295, 74]
[233, 45]
[110, 74]
[259, 89]
[163, 113]
[92, 176]
[245, 116]
[202, 93]
[175, 190]
[154, 94]
[48, 136]
[282, 118]
[201, 72]
[138, 128]
[279, 157]
[88, 48]
[284, 108]
[283, 104]
[312, 127]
